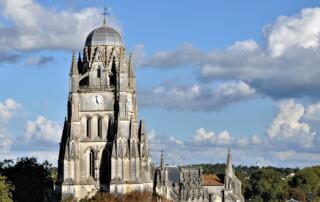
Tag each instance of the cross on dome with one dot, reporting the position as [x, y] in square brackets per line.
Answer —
[105, 14]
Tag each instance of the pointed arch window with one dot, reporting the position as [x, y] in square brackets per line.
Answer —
[99, 127]
[91, 163]
[88, 127]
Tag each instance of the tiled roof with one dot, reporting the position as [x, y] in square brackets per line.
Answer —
[211, 180]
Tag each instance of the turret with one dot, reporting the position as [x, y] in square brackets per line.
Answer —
[229, 171]
[161, 160]
[229, 168]
[131, 75]
[74, 74]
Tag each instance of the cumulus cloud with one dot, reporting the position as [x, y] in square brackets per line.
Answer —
[287, 67]
[222, 138]
[6, 140]
[248, 45]
[8, 108]
[313, 112]
[294, 156]
[62, 29]
[43, 130]
[290, 139]
[203, 136]
[176, 141]
[288, 126]
[196, 97]
[256, 140]
[302, 31]
[210, 146]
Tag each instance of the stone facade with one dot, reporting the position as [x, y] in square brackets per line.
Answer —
[103, 145]
[186, 184]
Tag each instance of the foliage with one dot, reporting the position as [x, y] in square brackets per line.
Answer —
[268, 184]
[30, 179]
[54, 174]
[101, 197]
[274, 184]
[130, 197]
[5, 190]
[307, 180]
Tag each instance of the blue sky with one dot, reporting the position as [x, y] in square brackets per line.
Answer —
[210, 75]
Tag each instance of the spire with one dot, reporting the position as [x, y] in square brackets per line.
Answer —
[229, 168]
[74, 65]
[80, 65]
[161, 160]
[141, 130]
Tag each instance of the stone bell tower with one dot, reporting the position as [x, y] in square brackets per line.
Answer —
[104, 145]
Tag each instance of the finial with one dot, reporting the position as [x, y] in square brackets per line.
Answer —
[161, 159]
[74, 66]
[105, 14]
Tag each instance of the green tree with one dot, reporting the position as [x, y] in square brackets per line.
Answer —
[5, 190]
[268, 185]
[308, 180]
[30, 179]
[297, 194]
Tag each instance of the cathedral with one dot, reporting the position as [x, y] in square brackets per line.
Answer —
[188, 183]
[104, 145]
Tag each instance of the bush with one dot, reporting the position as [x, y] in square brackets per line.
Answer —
[134, 196]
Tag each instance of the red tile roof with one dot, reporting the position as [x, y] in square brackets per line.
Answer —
[211, 180]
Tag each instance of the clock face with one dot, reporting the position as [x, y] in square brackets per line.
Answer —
[97, 100]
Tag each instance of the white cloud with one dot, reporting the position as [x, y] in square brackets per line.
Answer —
[208, 146]
[35, 27]
[152, 135]
[5, 140]
[43, 129]
[222, 138]
[203, 136]
[286, 68]
[256, 140]
[196, 97]
[242, 141]
[248, 45]
[175, 140]
[299, 31]
[8, 108]
[287, 124]
[294, 156]
[313, 112]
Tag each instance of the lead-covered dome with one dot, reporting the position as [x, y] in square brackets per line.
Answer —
[104, 36]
